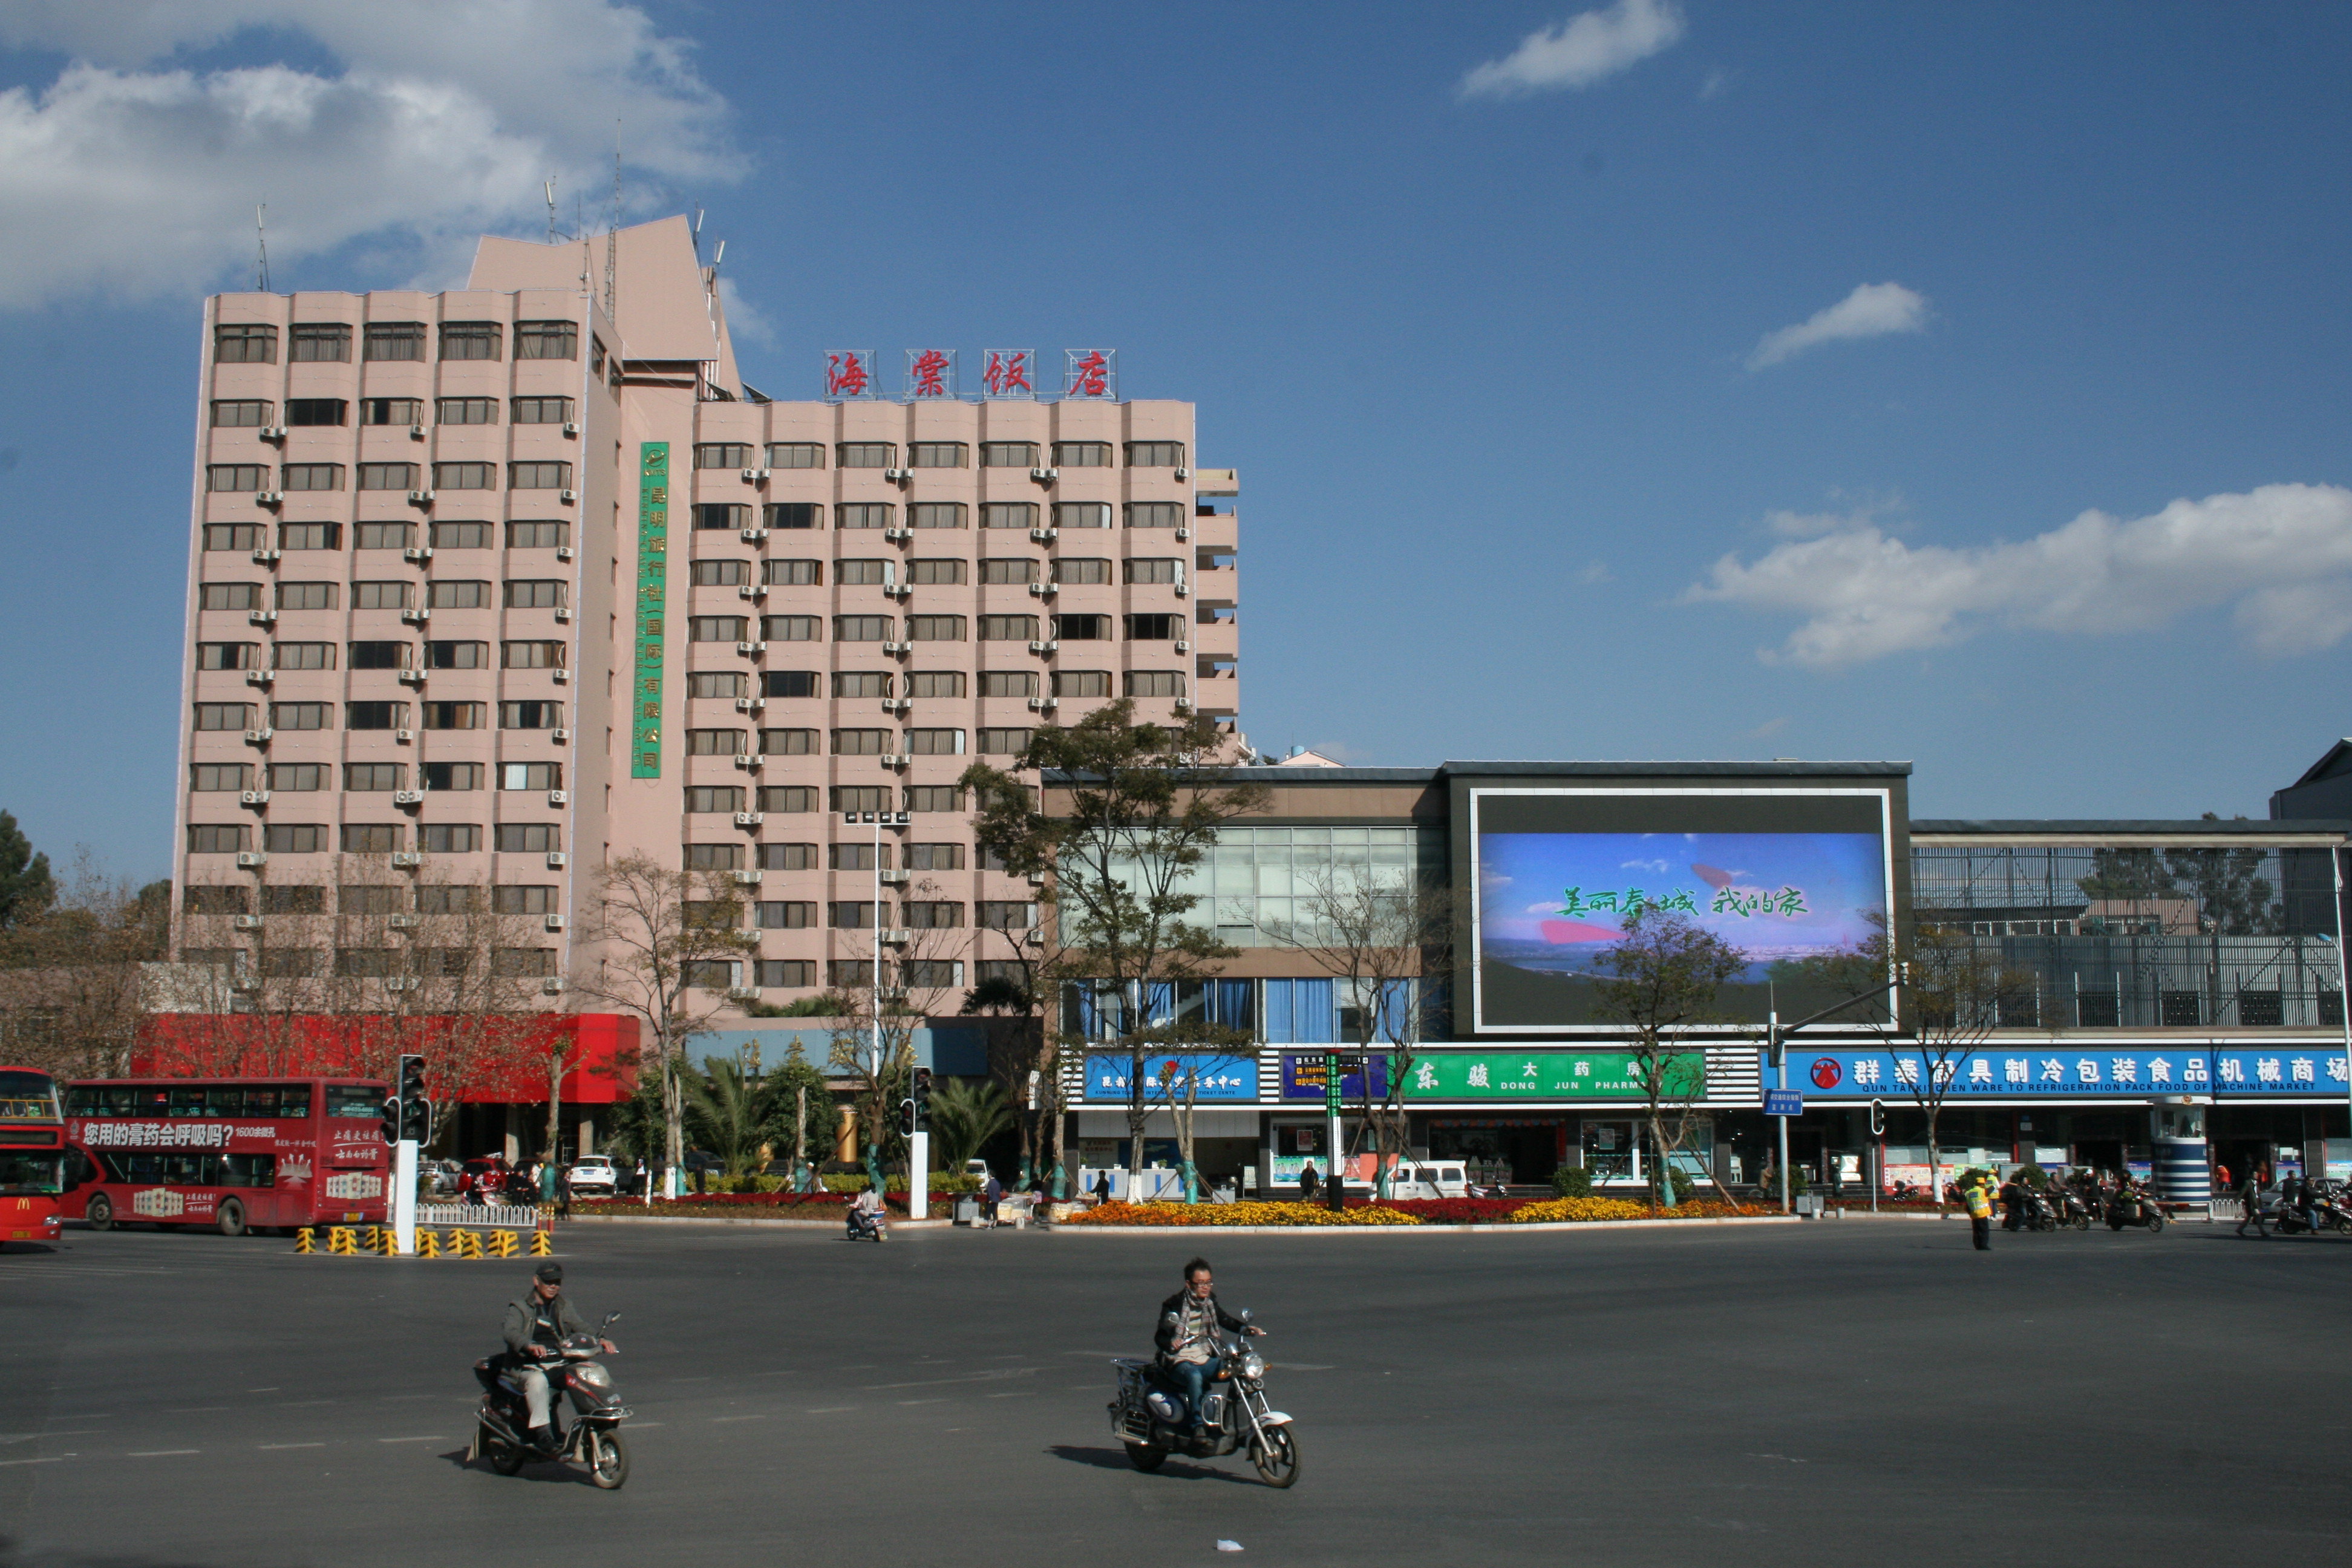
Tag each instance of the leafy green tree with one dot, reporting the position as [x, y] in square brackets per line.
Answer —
[727, 1106]
[1142, 804]
[1661, 979]
[801, 1113]
[25, 886]
[964, 1116]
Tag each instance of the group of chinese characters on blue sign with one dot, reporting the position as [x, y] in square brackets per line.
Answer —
[2010, 1073]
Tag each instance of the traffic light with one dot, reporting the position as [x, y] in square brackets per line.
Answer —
[907, 1118]
[921, 1101]
[414, 1110]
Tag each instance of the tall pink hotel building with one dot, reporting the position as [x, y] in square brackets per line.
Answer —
[501, 584]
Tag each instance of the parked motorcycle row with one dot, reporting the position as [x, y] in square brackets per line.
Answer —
[2078, 1205]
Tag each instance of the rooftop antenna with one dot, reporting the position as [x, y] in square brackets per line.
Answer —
[261, 248]
[718, 255]
[697, 233]
[551, 209]
[612, 231]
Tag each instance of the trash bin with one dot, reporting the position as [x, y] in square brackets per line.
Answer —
[967, 1211]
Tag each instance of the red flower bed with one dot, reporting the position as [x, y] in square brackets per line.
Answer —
[739, 1203]
[1458, 1211]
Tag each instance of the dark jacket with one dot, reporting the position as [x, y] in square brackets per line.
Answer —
[1171, 1316]
[523, 1314]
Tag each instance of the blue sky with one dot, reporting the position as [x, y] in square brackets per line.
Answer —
[1640, 380]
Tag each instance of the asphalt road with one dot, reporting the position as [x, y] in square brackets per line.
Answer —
[1828, 1394]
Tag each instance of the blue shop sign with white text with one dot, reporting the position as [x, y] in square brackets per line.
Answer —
[2011, 1072]
[1218, 1077]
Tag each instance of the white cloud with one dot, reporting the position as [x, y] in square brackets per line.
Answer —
[1717, 80]
[1596, 572]
[2281, 554]
[745, 319]
[125, 177]
[1871, 311]
[1583, 49]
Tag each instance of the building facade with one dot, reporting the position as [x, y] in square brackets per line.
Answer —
[488, 587]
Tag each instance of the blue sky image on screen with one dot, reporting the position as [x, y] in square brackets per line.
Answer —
[1554, 901]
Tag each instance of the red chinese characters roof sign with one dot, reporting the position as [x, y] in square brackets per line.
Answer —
[1088, 374]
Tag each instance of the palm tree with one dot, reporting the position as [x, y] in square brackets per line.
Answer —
[729, 1107]
[965, 1116]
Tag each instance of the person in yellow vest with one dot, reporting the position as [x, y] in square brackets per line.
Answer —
[1976, 1192]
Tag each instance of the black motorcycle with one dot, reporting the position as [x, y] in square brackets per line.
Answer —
[1149, 1416]
[2070, 1208]
[593, 1439]
[2128, 1206]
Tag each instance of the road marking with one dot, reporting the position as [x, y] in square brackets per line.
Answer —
[429, 1437]
[162, 1453]
[716, 1420]
[52, 1460]
[266, 1447]
[274, 1388]
[298, 1403]
[195, 1409]
[922, 1402]
[1016, 1394]
[996, 1376]
[82, 1418]
[831, 1409]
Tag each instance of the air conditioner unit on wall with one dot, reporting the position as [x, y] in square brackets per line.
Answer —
[252, 859]
[557, 860]
[406, 859]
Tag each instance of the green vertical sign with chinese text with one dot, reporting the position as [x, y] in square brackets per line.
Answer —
[653, 578]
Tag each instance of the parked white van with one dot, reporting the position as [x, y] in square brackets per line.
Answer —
[1438, 1179]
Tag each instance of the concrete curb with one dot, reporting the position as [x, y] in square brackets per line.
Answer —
[1532, 1226]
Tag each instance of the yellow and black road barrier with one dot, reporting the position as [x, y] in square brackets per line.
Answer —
[306, 1240]
[502, 1244]
[428, 1243]
[542, 1245]
[340, 1241]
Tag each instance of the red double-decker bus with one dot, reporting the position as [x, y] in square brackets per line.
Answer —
[233, 1154]
[32, 1156]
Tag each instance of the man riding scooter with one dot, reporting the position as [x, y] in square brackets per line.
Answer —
[1187, 1336]
[535, 1330]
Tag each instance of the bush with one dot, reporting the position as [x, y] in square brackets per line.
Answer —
[1684, 1183]
[1238, 1214]
[1573, 1181]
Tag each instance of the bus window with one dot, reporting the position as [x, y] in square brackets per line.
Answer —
[142, 1166]
[251, 1171]
[356, 1100]
[294, 1100]
[84, 1102]
[121, 1099]
[187, 1102]
[260, 1101]
[31, 1172]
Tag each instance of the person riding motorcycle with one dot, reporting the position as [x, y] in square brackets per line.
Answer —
[535, 1330]
[1186, 1337]
[865, 1213]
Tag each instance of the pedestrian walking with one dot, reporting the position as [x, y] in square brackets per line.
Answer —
[2249, 1207]
[1307, 1183]
[1102, 1187]
[1980, 1205]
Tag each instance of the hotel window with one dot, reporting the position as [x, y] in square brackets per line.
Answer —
[864, 514]
[1008, 514]
[788, 743]
[530, 777]
[934, 572]
[532, 655]
[714, 857]
[217, 777]
[538, 475]
[721, 573]
[1009, 569]
[371, 838]
[931, 974]
[1008, 455]
[866, 455]
[217, 898]
[375, 778]
[788, 683]
[311, 477]
[792, 514]
[788, 798]
[795, 454]
[1081, 628]
[232, 536]
[542, 410]
[717, 628]
[456, 715]
[934, 856]
[1081, 454]
[713, 800]
[861, 683]
[862, 742]
[788, 857]
[1154, 628]
[780, 915]
[712, 515]
[385, 535]
[313, 412]
[1155, 683]
[536, 592]
[375, 715]
[931, 914]
[1082, 683]
[458, 593]
[546, 534]
[1155, 454]
[858, 797]
[934, 797]
[1008, 629]
[300, 778]
[391, 410]
[227, 656]
[787, 973]
[229, 597]
[245, 345]
[215, 837]
[723, 455]
[445, 899]
[393, 339]
[302, 656]
[935, 742]
[935, 455]
[306, 596]
[369, 899]
[1003, 743]
[1081, 514]
[935, 628]
[1144, 570]
[302, 715]
[451, 776]
[448, 839]
[461, 536]
[714, 742]
[861, 628]
[387, 476]
[1082, 569]
[470, 340]
[224, 477]
[1007, 914]
[223, 715]
[1008, 683]
[465, 476]
[716, 683]
[857, 857]
[530, 837]
[293, 838]
[861, 573]
[850, 914]
[522, 963]
[547, 340]
[935, 683]
[321, 342]
[936, 514]
[793, 573]
[1155, 514]
[465, 410]
[241, 413]
[793, 629]
[531, 715]
[525, 898]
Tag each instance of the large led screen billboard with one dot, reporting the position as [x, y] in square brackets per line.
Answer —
[1782, 875]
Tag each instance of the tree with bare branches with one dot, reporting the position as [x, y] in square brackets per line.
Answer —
[876, 1050]
[666, 943]
[1660, 979]
[75, 975]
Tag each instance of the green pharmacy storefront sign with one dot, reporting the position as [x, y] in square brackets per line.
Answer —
[1544, 1075]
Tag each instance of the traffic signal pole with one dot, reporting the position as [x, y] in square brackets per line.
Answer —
[410, 1114]
[404, 1196]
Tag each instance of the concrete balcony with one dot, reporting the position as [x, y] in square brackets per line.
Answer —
[1216, 531]
[1218, 695]
[1215, 639]
[1217, 586]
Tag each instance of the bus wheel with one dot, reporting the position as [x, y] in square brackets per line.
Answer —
[232, 1217]
[100, 1212]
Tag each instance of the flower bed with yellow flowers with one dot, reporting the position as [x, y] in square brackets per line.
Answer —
[1236, 1214]
[1555, 1210]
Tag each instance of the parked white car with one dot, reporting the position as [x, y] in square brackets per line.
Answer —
[1438, 1180]
[593, 1173]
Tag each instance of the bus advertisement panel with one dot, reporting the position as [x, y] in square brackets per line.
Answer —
[230, 1153]
[32, 1156]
